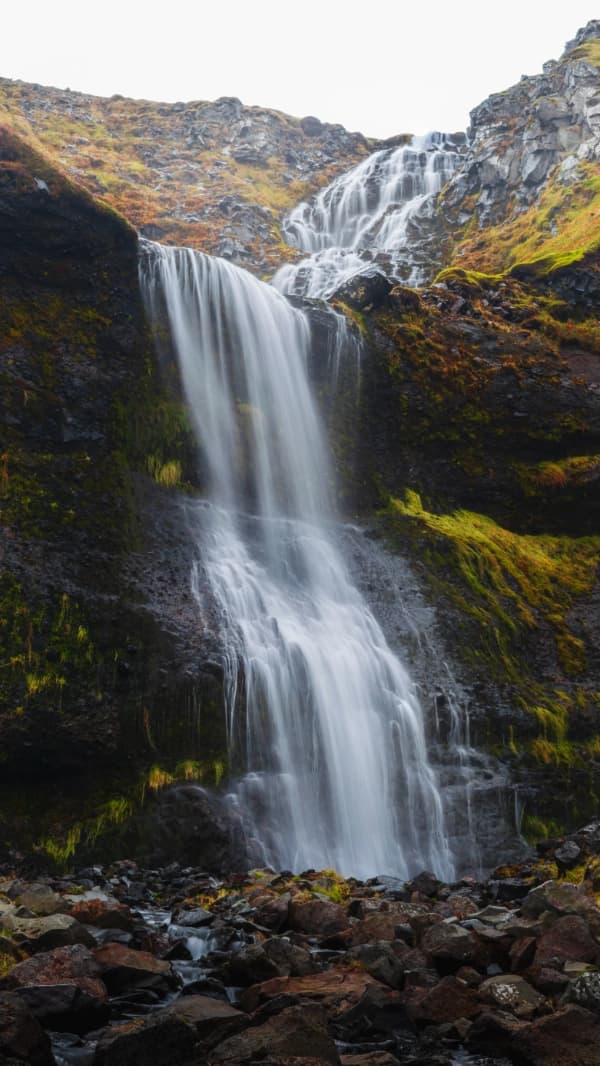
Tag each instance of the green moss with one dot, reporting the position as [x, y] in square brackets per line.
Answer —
[510, 586]
[557, 231]
[42, 651]
[589, 52]
[107, 813]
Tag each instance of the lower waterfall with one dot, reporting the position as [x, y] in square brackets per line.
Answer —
[330, 733]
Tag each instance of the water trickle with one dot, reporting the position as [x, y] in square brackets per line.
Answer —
[375, 209]
[331, 738]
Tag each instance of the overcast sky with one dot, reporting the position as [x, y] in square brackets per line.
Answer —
[382, 67]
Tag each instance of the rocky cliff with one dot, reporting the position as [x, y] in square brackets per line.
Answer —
[477, 434]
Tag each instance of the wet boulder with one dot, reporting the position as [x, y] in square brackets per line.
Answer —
[123, 969]
[21, 1035]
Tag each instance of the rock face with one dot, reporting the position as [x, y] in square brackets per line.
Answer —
[213, 175]
[94, 616]
[529, 147]
[479, 393]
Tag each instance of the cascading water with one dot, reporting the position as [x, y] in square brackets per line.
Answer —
[374, 209]
[332, 737]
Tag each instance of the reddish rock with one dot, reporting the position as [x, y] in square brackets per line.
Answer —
[563, 898]
[570, 1037]
[337, 989]
[271, 911]
[522, 953]
[568, 939]
[448, 1001]
[317, 917]
[69, 965]
[21, 1035]
[296, 1033]
[380, 925]
[122, 968]
[103, 914]
[212, 1019]
[448, 941]
[461, 907]
[153, 1041]
[182, 1032]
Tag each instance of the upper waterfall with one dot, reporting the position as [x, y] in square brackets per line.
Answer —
[374, 209]
[331, 740]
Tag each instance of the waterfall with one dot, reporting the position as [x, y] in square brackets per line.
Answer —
[331, 739]
[375, 209]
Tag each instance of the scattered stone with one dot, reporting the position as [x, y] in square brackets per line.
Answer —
[512, 993]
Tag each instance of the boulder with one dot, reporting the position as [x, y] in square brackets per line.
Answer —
[569, 938]
[21, 1035]
[562, 898]
[196, 918]
[317, 917]
[512, 993]
[584, 990]
[337, 989]
[298, 1032]
[123, 968]
[47, 933]
[212, 1019]
[449, 1000]
[449, 942]
[103, 913]
[271, 911]
[382, 960]
[570, 1037]
[181, 1033]
[41, 900]
[291, 960]
[62, 989]
[251, 965]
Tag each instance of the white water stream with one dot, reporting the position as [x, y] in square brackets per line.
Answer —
[374, 209]
[332, 739]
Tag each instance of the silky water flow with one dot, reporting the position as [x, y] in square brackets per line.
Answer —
[329, 730]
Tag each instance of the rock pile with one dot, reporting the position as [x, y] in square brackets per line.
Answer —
[124, 967]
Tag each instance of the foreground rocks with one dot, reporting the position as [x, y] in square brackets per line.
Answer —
[174, 967]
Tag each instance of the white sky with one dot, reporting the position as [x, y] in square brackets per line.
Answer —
[382, 67]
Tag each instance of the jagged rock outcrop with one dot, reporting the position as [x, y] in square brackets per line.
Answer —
[533, 151]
